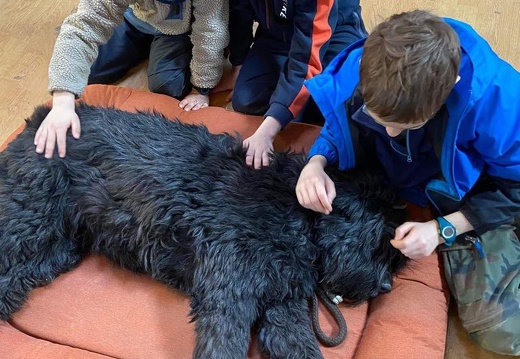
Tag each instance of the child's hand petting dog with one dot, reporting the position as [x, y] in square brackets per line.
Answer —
[53, 130]
[260, 145]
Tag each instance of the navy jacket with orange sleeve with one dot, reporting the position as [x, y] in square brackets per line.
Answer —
[307, 24]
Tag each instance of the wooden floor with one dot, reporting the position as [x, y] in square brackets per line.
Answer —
[28, 30]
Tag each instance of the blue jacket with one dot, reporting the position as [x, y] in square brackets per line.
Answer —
[483, 127]
[306, 25]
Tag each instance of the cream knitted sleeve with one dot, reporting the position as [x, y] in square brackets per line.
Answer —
[209, 37]
[76, 47]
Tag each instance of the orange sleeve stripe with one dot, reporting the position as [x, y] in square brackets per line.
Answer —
[321, 33]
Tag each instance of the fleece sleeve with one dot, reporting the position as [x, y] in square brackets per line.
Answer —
[209, 37]
[76, 47]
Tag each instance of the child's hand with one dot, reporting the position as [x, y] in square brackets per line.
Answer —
[53, 129]
[416, 240]
[315, 190]
[194, 101]
[260, 145]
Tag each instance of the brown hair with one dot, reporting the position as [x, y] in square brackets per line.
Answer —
[409, 65]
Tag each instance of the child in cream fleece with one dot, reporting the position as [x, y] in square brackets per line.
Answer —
[184, 41]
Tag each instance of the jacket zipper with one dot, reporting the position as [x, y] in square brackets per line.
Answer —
[407, 155]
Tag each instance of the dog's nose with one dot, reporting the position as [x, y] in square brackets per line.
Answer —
[386, 283]
[385, 287]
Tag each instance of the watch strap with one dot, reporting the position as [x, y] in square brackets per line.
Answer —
[446, 230]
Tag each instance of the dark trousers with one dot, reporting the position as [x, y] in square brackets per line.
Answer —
[169, 59]
[265, 61]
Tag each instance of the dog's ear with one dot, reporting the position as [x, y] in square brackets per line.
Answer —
[347, 239]
[357, 259]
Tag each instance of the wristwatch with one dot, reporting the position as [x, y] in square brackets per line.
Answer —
[446, 230]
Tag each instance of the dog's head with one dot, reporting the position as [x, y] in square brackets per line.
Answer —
[357, 260]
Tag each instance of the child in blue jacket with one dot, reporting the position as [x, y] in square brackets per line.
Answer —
[426, 102]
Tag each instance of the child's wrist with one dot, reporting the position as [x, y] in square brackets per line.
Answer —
[318, 160]
[440, 240]
[270, 127]
[63, 98]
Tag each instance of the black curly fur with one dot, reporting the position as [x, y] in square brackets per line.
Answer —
[178, 203]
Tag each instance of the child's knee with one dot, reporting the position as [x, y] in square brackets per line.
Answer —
[503, 338]
[172, 83]
[487, 290]
[247, 107]
[250, 100]
[492, 319]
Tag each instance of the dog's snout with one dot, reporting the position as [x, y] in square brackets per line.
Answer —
[386, 287]
[386, 283]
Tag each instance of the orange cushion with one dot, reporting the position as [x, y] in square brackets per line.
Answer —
[99, 310]
[16, 344]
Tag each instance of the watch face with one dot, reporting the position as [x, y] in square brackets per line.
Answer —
[448, 232]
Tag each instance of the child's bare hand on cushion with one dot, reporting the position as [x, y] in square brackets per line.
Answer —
[194, 101]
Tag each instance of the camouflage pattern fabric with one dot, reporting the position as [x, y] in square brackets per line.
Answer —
[487, 289]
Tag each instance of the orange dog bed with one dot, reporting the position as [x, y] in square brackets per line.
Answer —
[99, 311]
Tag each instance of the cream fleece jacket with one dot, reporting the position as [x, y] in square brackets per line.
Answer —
[94, 21]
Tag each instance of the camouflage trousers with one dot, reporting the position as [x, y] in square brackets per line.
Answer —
[486, 287]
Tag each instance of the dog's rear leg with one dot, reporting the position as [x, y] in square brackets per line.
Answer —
[285, 332]
[223, 328]
[33, 246]
[24, 276]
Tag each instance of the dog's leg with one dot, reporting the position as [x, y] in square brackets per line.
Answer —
[285, 332]
[25, 274]
[33, 246]
[223, 328]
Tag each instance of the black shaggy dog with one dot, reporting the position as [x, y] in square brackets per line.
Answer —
[179, 203]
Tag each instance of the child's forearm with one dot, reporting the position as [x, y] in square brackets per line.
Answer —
[63, 98]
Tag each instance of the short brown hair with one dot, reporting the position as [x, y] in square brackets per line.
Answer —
[409, 66]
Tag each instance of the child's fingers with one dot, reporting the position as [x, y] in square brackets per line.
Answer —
[398, 244]
[323, 199]
[50, 143]
[403, 229]
[331, 191]
[76, 128]
[61, 141]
